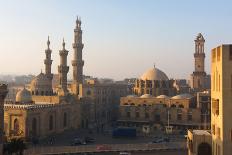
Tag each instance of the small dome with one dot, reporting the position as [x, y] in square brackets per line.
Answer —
[154, 74]
[146, 96]
[182, 96]
[163, 96]
[23, 96]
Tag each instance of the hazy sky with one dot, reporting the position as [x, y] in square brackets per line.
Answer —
[122, 38]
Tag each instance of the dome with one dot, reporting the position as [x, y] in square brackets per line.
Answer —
[41, 85]
[40, 79]
[154, 74]
[23, 96]
[146, 96]
[182, 96]
[163, 96]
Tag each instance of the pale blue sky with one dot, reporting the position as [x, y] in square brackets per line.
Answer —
[122, 38]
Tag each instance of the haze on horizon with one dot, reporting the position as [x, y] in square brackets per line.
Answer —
[122, 39]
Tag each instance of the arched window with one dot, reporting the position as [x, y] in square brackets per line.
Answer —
[16, 126]
[50, 122]
[32, 92]
[42, 93]
[65, 120]
[34, 126]
[36, 93]
[181, 106]
[173, 106]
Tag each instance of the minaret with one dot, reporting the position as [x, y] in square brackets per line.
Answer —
[48, 61]
[63, 70]
[198, 76]
[77, 62]
[3, 93]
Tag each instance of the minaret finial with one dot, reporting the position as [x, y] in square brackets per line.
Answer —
[63, 44]
[48, 43]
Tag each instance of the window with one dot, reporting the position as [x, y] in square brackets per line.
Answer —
[213, 129]
[181, 106]
[230, 52]
[190, 117]
[179, 116]
[65, 120]
[215, 106]
[214, 55]
[218, 54]
[137, 114]
[146, 115]
[128, 114]
[34, 127]
[16, 126]
[50, 122]
[157, 118]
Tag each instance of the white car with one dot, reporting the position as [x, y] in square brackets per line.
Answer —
[124, 153]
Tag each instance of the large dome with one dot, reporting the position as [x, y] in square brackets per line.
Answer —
[23, 96]
[154, 74]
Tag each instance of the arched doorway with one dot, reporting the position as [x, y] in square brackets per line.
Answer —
[34, 127]
[203, 149]
[16, 126]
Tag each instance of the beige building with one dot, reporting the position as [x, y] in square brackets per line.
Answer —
[199, 142]
[221, 93]
[154, 82]
[149, 112]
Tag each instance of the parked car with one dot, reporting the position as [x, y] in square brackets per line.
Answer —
[124, 153]
[78, 141]
[89, 140]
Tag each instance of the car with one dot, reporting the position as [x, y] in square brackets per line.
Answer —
[89, 139]
[78, 141]
[124, 153]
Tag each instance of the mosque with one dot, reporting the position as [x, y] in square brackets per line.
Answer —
[42, 110]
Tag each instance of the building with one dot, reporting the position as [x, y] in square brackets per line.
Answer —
[199, 142]
[198, 79]
[221, 93]
[148, 113]
[221, 97]
[104, 98]
[43, 109]
[3, 93]
[154, 82]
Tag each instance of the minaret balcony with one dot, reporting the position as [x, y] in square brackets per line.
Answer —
[47, 62]
[63, 69]
[199, 55]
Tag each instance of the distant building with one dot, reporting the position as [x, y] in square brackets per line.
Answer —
[154, 82]
[181, 86]
[198, 79]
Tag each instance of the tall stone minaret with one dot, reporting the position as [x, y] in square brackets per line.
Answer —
[63, 70]
[3, 93]
[198, 76]
[48, 61]
[77, 62]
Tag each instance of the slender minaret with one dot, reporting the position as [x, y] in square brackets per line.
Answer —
[3, 93]
[199, 74]
[77, 62]
[48, 61]
[63, 69]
